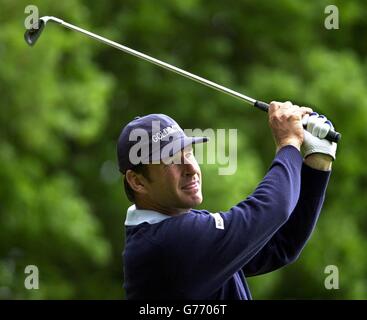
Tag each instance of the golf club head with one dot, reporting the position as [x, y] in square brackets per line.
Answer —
[32, 34]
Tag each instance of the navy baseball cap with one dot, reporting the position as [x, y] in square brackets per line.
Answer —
[150, 139]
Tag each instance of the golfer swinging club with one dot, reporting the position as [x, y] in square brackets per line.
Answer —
[173, 251]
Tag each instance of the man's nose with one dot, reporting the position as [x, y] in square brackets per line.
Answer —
[191, 166]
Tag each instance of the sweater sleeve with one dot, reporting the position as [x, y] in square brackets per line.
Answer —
[287, 243]
[207, 249]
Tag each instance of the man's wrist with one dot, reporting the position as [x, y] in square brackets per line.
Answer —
[319, 161]
[293, 143]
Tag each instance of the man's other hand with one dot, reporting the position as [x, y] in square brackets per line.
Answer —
[285, 120]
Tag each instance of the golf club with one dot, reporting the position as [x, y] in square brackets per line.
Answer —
[32, 35]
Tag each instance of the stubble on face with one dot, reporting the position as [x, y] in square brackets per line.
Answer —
[175, 188]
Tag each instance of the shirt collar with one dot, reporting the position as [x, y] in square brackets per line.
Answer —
[136, 216]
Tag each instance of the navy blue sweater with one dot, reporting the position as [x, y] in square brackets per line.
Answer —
[199, 255]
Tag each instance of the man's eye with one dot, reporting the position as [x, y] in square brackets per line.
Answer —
[189, 156]
[172, 160]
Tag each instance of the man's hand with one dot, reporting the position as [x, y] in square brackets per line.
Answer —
[285, 120]
[318, 152]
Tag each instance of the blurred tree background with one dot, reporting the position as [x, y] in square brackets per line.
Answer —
[64, 102]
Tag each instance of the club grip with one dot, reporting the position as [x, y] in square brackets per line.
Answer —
[332, 135]
[262, 106]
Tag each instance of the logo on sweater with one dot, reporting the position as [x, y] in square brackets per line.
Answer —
[219, 223]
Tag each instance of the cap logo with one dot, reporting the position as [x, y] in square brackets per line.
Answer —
[165, 132]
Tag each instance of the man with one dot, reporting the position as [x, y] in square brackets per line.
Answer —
[175, 252]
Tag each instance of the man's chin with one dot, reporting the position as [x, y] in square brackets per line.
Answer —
[191, 203]
[191, 200]
[196, 201]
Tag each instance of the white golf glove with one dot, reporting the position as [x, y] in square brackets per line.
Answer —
[317, 127]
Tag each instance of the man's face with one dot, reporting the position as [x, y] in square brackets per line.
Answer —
[175, 187]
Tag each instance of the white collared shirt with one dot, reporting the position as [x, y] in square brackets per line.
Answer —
[136, 216]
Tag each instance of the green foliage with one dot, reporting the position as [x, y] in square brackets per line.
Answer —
[64, 101]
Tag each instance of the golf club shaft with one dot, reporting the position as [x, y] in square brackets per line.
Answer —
[331, 136]
[161, 64]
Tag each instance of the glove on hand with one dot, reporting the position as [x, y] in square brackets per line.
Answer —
[317, 127]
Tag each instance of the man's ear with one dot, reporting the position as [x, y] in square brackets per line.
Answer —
[136, 181]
